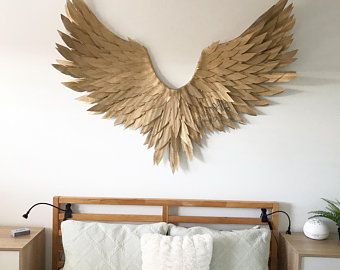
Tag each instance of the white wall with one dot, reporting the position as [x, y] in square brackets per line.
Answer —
[50, 145]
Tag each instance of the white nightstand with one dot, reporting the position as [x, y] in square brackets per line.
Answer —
[301, 253]
[22, 252]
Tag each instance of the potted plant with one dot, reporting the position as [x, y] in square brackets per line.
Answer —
[331, 212]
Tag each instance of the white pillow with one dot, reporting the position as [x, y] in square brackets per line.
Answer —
[234, 250]
[160, 252]
[105, 246]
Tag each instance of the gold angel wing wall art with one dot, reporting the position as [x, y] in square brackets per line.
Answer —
[230, 80]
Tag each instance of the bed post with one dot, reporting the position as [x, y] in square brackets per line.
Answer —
[273, 244]
[55, 234]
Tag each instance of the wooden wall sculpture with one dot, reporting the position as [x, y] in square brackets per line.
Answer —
[231, 78]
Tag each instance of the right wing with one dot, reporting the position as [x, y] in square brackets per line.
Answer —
[233, 77]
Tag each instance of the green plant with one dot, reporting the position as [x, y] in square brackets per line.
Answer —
[332, 211]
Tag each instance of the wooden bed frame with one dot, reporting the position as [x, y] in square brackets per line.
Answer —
[165, 216]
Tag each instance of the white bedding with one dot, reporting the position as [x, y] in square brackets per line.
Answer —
[104, 246]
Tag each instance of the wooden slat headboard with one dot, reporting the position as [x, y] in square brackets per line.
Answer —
[165, 216]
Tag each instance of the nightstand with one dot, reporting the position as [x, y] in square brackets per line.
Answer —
[23, 252]
[297, 252]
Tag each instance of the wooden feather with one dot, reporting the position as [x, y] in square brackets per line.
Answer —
[230, 80]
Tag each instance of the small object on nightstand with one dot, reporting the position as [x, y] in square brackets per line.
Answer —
[297, 252]
[316, 229]
[26, 252]
[332, 212]
[20, 232]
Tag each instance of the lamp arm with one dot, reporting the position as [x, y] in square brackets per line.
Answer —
[68, 210]
[29, 210]
[264, 218]
[289, 221]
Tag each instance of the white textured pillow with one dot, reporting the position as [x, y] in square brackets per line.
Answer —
[104, 246]
[160, 252]
[234, 250]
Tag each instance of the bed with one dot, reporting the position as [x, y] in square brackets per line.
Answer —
[167, 214]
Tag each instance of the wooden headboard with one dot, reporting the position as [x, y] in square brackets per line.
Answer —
[164, 216]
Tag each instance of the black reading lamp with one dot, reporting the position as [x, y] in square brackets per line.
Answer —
[264, 218]
[67, 210]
